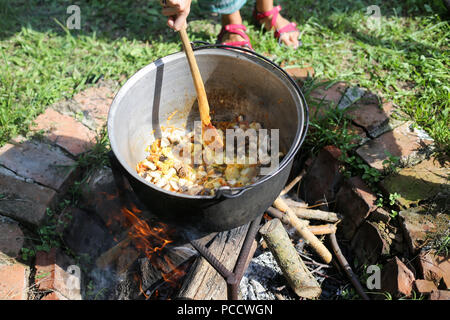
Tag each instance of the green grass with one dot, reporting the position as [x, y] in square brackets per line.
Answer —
[406, 60]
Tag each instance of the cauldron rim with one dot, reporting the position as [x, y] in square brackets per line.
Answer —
[226, 192]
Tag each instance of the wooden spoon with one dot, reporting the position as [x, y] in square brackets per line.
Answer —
[213, 138]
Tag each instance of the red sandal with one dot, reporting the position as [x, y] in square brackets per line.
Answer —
[290, 27]
[237, 29]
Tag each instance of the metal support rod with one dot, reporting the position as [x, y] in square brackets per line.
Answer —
[233, 288]
[216, 264]
[233, 279]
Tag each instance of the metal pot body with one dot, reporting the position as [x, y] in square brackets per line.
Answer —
[236, 83]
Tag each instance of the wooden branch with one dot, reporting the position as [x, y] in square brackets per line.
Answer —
[348, 270]
[316, 230]
[275, 213]
[311, 214]
[295, 204]
[292, 183]
[302, 211]
[322, 229]
[297, 275]
[302, 228]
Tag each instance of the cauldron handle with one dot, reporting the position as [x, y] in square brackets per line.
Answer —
[230, 193]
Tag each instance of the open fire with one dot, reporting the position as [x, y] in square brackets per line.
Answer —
[142, 240]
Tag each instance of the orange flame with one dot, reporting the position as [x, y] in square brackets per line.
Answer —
[151, 240]
[148, 239]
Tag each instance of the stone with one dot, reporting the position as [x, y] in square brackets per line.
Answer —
[435, 267]
[13, 281]
[11, 237]
[300, 74]
[418, 226]
[56, 271]
[55, 295]
[323, 177]
[65, 131]
[418, 183]
[410, 145]
[440, 295]
[355, 202]
[368, 244]
[40, 162]
[424, 286]
[83, 234]
[396, 278]
[350, 96]
[23, 201]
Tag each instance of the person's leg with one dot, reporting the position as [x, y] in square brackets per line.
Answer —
[233, 18]
[229, 11]
[288, 38]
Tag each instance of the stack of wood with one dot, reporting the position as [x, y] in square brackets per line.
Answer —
[203, 282]
[298, 215]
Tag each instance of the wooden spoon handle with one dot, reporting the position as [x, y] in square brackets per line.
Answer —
[196, 76]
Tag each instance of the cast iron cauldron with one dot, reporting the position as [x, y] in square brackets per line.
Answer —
[237, 82]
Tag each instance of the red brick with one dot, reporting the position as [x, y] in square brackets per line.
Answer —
[55, 295]
[11, 238]
[396, 278]
[323, 98]
[333, 93]
[35, 200]
[40, 162]
[371, 117]
[424, 286]
[323, 177]
[53, 273]
[355, 202]
[435, 268]
[401, 142]
[368, 244]
[65, 131]
[96, 101]
[300, 74]
[361, 136]
[440, 295]
[417, 227]
[13, 282]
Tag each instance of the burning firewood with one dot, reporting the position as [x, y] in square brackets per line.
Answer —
[297, 275]
[112, 254]
[302, 228]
